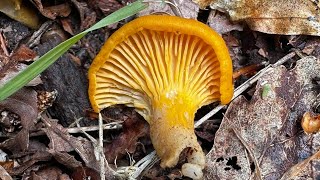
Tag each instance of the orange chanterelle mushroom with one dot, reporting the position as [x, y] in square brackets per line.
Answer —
[166, 67]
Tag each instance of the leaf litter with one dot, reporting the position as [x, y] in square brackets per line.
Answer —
[267, 128]
[259, 137]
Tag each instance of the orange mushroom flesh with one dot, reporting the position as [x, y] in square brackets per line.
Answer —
[166, 67]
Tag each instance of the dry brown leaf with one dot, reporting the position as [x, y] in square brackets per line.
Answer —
[267, 127]
[8, 74]
[54, 11]
[65, 159]
[85, 173]
[32, 160]
[24, 104]
[106, 6]
[133, 129]
[87, 16]
[48, 173]
[185, 8]
[295, 170]
[82, 146]
[221, 23]
[4, 175]
[288, 17]
[57, 142]
[23, 53]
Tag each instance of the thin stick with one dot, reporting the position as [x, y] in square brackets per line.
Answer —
[109, 126]
[35, 38]
[239, 90]
[3, 45]
[100, 147]
[4, 175]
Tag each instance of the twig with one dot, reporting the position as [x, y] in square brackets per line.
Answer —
[4, 175]
[100, 147]
[35, 38]
[109, 126]
[239, 90]
[3, 45]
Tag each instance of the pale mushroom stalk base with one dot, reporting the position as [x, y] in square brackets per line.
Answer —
[172, 131]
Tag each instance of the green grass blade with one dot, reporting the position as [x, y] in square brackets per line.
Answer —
[51, 56]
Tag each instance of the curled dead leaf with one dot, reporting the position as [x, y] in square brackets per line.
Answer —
[87, 15]
[24, 104]
[53, 11]
[290, 17]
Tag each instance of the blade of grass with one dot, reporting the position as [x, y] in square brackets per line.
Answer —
[51, 56]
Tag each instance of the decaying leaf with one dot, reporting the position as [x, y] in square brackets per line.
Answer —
[82, 146]
[12, 72]
[87, 16]
[65, 159]
[4, 174]
[133, 129]
[23, 53]
[54, 11]
[295, 170]
[288, 17]
[267, 128]
[222, 24]
[24, 105]
[49, 173]
[185, 8]
[106, 6]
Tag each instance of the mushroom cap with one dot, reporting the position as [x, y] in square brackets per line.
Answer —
[166, 67]
[142, 76]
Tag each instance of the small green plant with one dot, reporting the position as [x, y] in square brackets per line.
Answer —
[50, 57]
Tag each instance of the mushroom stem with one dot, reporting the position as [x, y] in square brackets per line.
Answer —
[172, 130]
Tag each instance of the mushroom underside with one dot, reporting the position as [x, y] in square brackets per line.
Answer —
[166, 76]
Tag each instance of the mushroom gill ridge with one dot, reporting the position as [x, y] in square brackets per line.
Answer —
[149, 66]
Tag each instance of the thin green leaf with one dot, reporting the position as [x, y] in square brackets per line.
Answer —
[50, 57]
